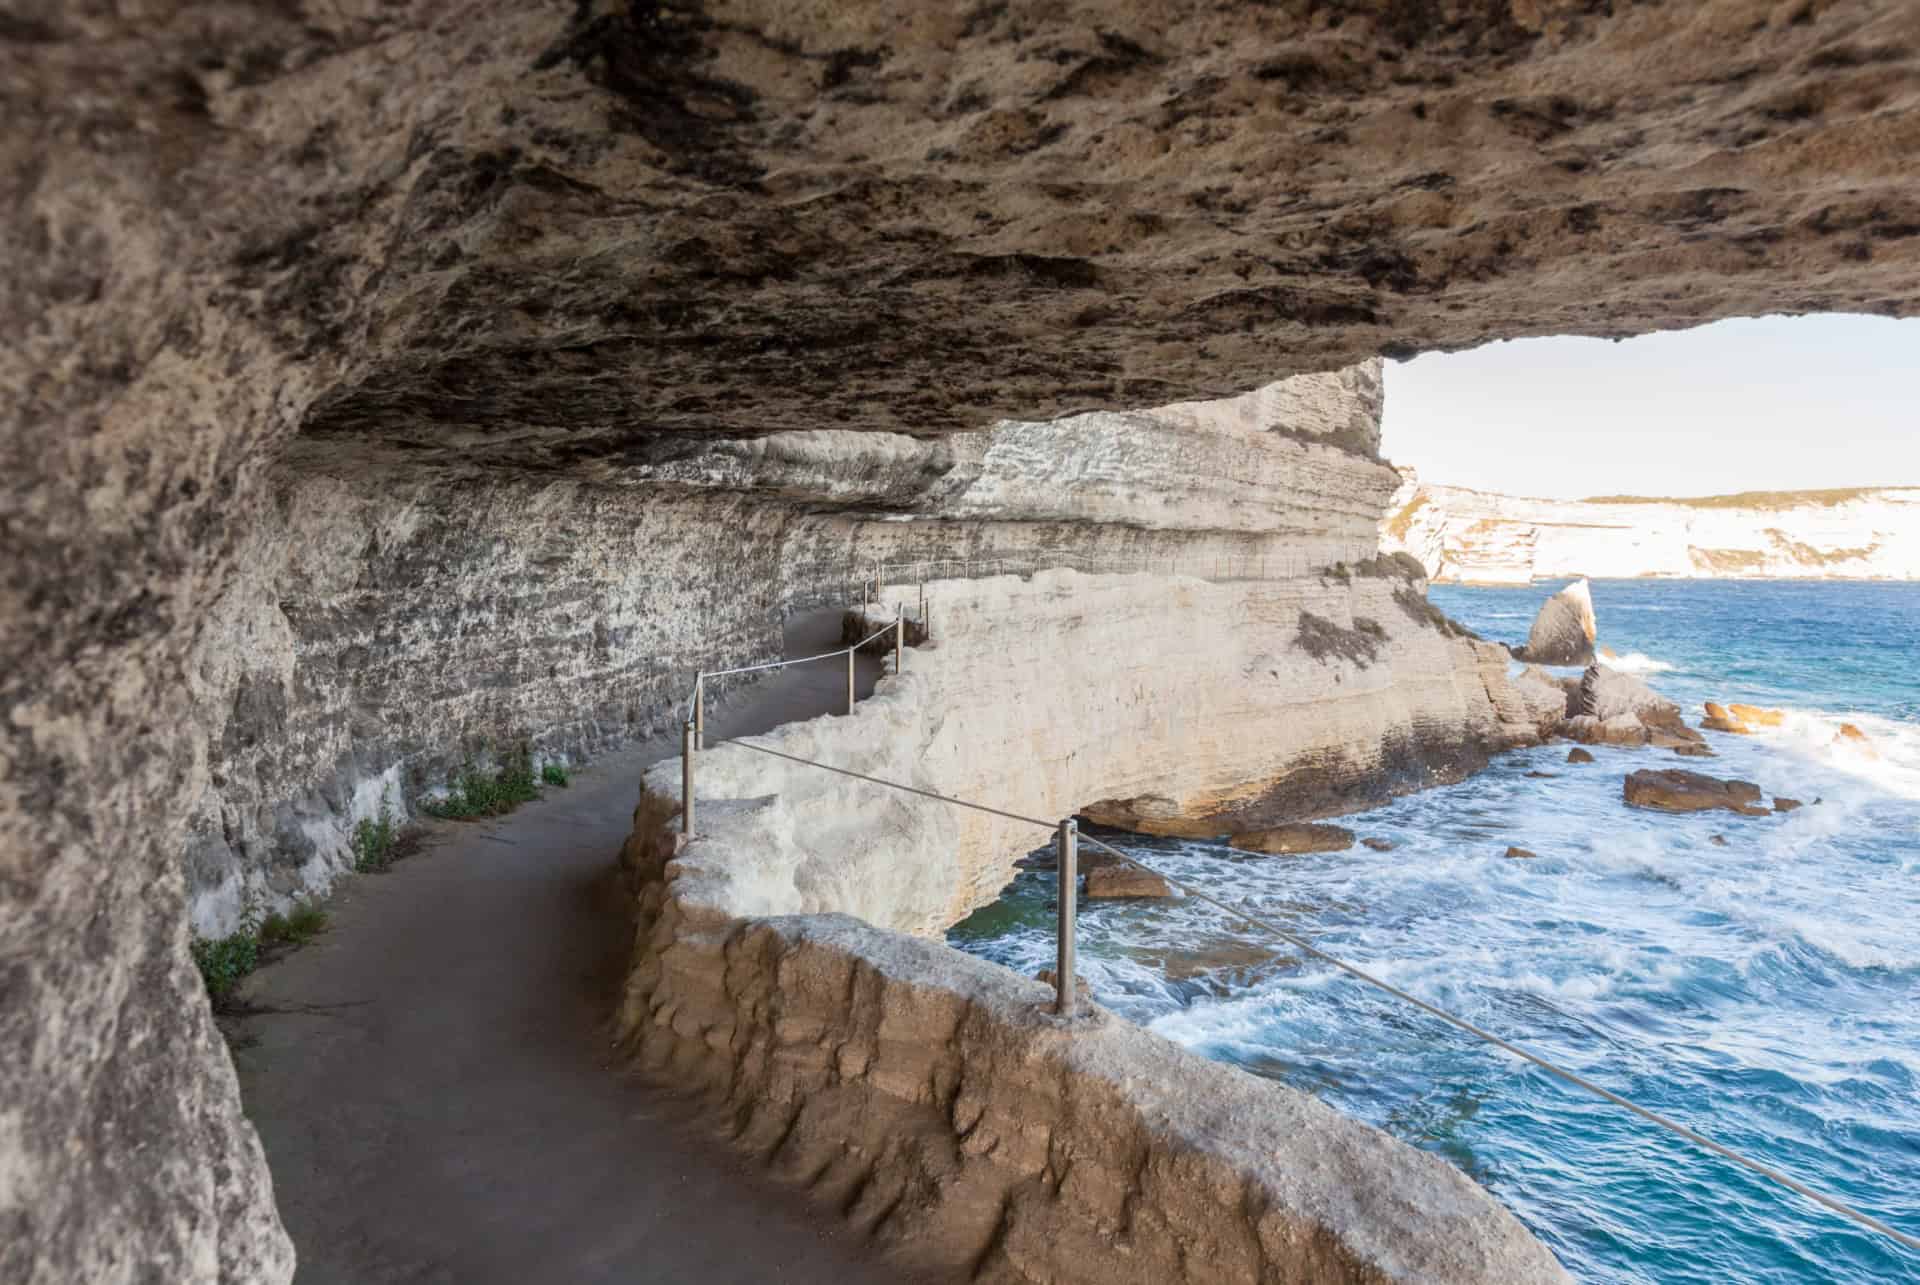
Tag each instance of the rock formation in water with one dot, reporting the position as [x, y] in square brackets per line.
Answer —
[1478, 537]
[1563, 630]
[1673, 790]
[386, 382]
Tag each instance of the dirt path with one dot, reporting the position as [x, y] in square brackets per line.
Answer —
[437, 1095]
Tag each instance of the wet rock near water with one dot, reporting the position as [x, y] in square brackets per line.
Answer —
[1564, 631]
[1294, 840]
[1520, 854]
[1741, 720]
[1677, 790]
[1578, 755]
[1377, 844]
[1125, 881]
[1787, 805]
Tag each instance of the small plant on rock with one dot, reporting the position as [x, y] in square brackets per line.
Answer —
[223, 961]
[475, 794]
[374, 840]
[554, 774]
[297, 926]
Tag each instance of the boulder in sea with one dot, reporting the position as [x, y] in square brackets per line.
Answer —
[1520, 854]
[1787, 805]
[1378, 845]
[1609, 693]
[1718, 840]
[1623, 729]
[1851, 737]
[1578, 755]
[1693, 751]
[1543, 776]
[1125, 881]
[1676, 790]
[1720, 719]
[1564, 631]
[1294, 839]
[1754, 716]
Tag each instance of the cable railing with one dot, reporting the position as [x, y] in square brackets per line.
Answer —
[693, 732]
[1067, 839]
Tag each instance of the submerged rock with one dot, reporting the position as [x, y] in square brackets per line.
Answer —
[1226, 957]
[1292, 840]
[1851, 737]
[1693, 751]
[1544, 776]
[1578, 755]
[1125, 881]
[1564, 631]
[1787, 805]
[1677, 790]
[1520, 854]
[1378, 845]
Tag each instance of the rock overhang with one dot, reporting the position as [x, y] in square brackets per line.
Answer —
[546, 236]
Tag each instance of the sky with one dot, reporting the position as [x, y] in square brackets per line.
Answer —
[1756, 404]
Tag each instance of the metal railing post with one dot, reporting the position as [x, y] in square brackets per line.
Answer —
[1067, 850]
[700, 712]
[899, 642]
[850, 688]
[688, 737]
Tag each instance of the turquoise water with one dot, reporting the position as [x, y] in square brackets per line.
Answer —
[1765, 992]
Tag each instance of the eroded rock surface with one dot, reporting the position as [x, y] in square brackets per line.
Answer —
[1564, 630]
[600, 243]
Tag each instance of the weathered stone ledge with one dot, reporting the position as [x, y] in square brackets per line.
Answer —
[930, 1095]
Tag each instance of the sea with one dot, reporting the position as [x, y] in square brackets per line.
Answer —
[1764, 990]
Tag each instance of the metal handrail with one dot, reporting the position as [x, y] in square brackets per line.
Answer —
[1066, 841]
[700, 678]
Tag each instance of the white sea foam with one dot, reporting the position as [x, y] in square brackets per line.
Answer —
[1635, 662]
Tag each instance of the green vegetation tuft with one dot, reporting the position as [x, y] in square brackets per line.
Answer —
[375, 840]
[554, 774]
[223, 961]
[475, 794]
[296, 927]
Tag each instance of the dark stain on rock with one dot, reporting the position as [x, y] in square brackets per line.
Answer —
[648, 55]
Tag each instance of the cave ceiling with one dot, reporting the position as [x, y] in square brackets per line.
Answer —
[541, 234]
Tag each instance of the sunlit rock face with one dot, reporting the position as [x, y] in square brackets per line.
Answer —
[555, 241]
[1481, 537]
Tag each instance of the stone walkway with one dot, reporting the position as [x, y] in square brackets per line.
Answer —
[435, 1085]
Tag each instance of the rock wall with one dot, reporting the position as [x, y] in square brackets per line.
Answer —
[386, 624]
[546, 238]
[379, 636]
[928, 1094]
[1479, 537]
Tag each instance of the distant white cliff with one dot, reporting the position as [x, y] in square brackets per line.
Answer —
[1478, 537]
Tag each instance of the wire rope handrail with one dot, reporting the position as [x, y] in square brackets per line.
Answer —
[700, 678]
[1064, 983]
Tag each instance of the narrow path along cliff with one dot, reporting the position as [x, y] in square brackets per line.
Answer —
[434, 1083]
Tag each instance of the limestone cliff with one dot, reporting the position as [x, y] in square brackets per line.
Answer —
[530, 242]
[1479, 537]
[376, 638]
[934, 1093]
